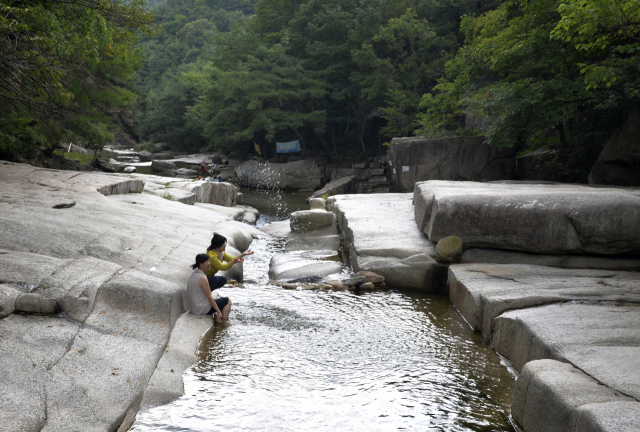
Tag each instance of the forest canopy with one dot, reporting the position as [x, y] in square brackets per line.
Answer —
[342, 76]
[66, 69]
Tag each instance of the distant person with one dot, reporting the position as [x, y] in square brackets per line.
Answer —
[203, 168]
[199, 292]
[220, 260]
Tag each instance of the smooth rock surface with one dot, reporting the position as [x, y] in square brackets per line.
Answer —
[609, 417]
[316, 204]
[398, 250]
[601, 340]
[8, 295]
[303, 174]
[449, 250]
[539, 218]
[341, 186]
[482, 292]
[548, 396]
[219, 193]
[418, 159]
[311, 220]
[166, 382]
[117, 264]
[297, 265]
[35, 303]
[160, 165]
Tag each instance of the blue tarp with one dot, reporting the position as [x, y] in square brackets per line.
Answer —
[288, 147]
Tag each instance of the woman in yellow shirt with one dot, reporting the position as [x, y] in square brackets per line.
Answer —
[220, 260]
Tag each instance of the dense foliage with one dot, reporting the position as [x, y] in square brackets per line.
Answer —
[343, 76]
[65, 70]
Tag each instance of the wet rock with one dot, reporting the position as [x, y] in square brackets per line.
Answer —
[311, 220]
[295, 265]
[372, 277]
[160, 165]
[538, 218]
[277, 229]
[297, 242]
[366, 286]
[35, 303]
[303, 174]
[418, 159]
[337, 285]
[130, 169]
[317, 204]
[340, 186]
[355, 281]
[449, 250]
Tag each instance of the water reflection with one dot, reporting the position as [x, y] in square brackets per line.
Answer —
[298, 361]
[335, 361]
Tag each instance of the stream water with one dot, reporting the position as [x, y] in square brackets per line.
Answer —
[335, 361]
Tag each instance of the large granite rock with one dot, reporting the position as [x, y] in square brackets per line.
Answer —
[303, 174]
[418, 159]
[551, 396]
[482, 292]
[219, 193]
[341, 186]
[539, 218]
[311, 220]
[304, 265]
[277, 229]
[602, 340]
[116, 265]
[379, 234]
[619, 161]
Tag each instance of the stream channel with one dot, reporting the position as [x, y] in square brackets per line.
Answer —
[308, 360]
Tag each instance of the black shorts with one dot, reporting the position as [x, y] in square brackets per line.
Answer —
[221, 302]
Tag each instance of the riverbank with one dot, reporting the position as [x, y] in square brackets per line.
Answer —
[567, 321]
[103, 267]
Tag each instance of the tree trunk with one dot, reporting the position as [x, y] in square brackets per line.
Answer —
[563, 138]
[303, 146]
[324, 144]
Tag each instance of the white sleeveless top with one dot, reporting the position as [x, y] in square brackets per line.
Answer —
[198, 303]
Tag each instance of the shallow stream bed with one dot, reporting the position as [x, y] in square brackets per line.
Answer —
[336, 361]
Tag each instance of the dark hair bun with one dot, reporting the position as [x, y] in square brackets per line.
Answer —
[200, 258]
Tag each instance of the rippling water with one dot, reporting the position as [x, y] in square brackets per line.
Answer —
[337, 361]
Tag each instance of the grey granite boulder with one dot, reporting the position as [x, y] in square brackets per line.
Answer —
[418, 159]
[303, 174]
[549, 397]
[219, 193]
[317, 204]
[539, 218]
[449, 250]
[159, 165]
[341, 186]
[277, 229]
[186, 173]
[311, 220]
[314, 265]
[482, 292]
[35, 303]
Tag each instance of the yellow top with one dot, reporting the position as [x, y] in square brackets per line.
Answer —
[216, 264]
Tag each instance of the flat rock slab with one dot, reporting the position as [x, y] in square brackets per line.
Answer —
[539, 218]
[601, 339]
[379, 234]
[482, 292]
[314, 265]
[551, 396]
[341, 186]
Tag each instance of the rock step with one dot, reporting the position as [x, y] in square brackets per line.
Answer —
[538, 218]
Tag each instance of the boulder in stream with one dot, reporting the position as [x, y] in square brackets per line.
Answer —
[302, 174]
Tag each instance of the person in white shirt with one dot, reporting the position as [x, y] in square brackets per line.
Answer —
[200, 298]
